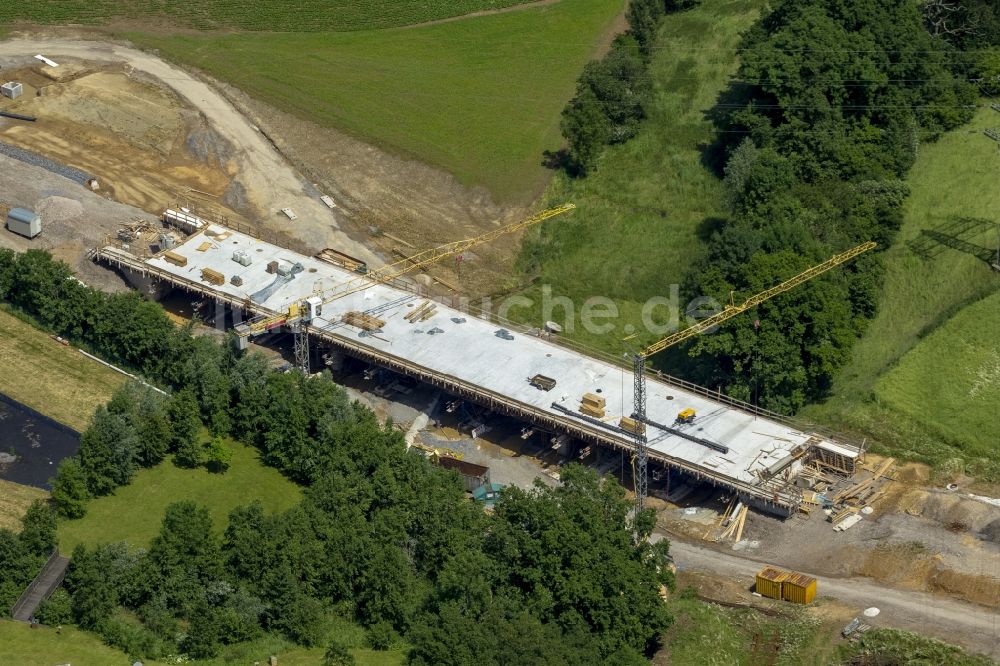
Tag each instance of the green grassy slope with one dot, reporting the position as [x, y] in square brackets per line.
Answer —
[42, 646]
[135, 511]
[479, 97]
[951, 379]
[706, 634]
[637, 226]
[952, 178]
[58, 381]
[271, 15]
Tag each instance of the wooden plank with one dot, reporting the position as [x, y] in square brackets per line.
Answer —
[413, 313]
[889, 462]
[398, 240]
[743, 520]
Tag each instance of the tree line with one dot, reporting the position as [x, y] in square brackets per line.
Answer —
[824, 118]
[554, 576]
[23, 553]
[816, 134]
[608, 106]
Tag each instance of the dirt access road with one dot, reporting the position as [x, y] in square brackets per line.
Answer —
[974, 627]
[271, 183]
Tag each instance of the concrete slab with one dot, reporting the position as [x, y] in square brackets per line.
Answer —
[469, 349]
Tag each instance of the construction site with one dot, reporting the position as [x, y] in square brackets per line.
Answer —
[156, 181]
[567, 398]
[514, 404]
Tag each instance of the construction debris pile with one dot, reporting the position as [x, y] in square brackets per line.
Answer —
[845, 498]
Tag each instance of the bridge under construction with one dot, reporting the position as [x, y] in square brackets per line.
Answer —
[526, 375]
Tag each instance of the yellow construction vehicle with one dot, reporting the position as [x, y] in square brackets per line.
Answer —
[308, 309]
[686, 416]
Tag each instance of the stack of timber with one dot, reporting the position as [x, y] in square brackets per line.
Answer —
[631, 425]
[365, 322]
[735, 528]
[213, 277]
[175, 259]
[592, 405]
[422, 312]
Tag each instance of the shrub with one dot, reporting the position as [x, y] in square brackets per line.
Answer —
[57, 609]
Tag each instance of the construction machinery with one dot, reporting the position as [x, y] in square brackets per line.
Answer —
[636, 424]
[303, 312]
[686, 416]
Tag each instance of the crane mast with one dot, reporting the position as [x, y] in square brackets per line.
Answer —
[730, 311]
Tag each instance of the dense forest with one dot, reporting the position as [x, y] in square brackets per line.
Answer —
[816, 133]
[554, 576]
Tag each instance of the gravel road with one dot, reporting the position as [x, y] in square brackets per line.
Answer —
[271, 183]
[976, 628]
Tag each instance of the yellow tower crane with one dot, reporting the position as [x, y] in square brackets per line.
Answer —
[301, 313]
[639, 419]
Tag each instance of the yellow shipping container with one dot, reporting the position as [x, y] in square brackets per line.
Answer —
[798, 588]
[769, 582]
[786, 585]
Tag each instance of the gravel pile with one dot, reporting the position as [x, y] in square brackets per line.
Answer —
[35, 159]
[59, 209]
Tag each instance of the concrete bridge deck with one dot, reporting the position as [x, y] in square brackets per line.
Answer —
[467, 356]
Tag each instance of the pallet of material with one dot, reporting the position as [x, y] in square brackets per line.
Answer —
[363, 321]
[175, 259]
[204, 246]
[596, 412]
[593, 400]
[213, 277]
[632, 425]
[272, 267]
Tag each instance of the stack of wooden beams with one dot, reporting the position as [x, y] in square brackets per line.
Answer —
[365, 322]
[632, 425]
[424, 311]
[213, 277]
[592, 405]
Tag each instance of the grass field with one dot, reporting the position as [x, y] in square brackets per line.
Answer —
[710, 635]
[135, 511]
[24, 646]
[57, 381]
[640, 216]
[14, 501]
[951, 379]
[270, 15]
[954, 177]
[479, 97]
